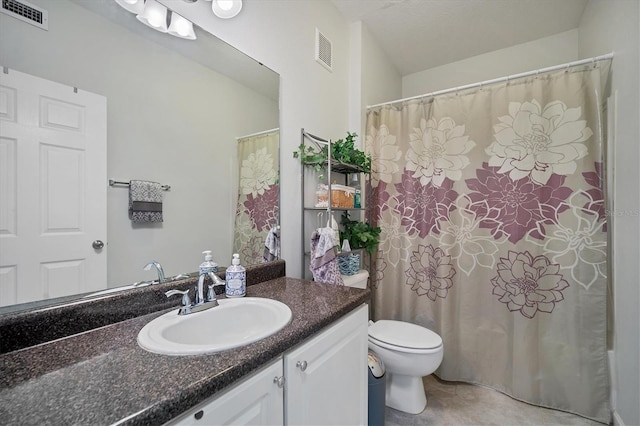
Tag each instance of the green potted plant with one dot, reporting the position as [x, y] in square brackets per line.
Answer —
[361, 235]
[342, 151]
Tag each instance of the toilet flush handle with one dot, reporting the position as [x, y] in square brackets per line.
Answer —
[302, 365]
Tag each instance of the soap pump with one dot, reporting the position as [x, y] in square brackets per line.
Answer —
[236, 278]
[208, 267]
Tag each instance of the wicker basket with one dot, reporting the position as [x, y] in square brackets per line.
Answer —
[342, 196]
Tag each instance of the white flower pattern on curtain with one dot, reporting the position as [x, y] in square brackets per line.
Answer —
[492, 200]
[258, 195]
[437, 150]
[534, 141]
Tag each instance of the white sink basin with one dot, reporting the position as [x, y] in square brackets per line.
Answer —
[235, 323]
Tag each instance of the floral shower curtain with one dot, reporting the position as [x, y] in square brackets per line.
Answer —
[494, 234]
[257, 211]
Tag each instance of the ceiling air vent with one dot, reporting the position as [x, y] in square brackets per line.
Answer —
[26, 12]
[324, 53]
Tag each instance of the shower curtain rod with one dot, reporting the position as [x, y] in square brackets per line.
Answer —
[264, 132]
[501, 79]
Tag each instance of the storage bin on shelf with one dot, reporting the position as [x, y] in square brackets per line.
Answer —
[342, 196]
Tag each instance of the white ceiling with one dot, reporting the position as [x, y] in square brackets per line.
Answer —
[421, 34]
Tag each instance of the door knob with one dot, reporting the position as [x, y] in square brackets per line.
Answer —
[279, 381]
[97, 244]
[302, 365]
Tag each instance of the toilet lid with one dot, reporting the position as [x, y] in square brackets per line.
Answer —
[404, 334]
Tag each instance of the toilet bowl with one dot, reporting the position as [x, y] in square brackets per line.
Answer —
[408, 352]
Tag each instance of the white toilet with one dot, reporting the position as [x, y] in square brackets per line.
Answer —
[408, 352]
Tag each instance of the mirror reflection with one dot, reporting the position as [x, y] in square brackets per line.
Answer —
[179, 113]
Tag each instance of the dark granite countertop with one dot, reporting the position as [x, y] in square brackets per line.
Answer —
[102, 376]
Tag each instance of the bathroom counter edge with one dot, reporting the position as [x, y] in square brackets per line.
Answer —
[104, 377]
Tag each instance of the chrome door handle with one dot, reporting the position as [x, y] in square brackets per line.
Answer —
[97, 244]
[302, 365]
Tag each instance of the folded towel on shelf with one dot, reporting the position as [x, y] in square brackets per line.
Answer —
[145, 201]
[272, 245]
[324, 257]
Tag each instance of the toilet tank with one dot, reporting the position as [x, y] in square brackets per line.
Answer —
[357, 280]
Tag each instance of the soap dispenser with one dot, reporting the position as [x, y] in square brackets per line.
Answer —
[236, 278]
[208, 265]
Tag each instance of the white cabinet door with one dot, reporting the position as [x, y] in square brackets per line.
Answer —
[327, 377]
[257, 400]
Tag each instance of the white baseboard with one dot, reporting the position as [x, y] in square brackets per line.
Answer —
[612, 378]
[617, 421]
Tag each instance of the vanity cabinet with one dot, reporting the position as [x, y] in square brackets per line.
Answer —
[257, 400]
[327, 379]
[321, 381]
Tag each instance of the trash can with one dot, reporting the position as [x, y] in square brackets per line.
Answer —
[377, 390]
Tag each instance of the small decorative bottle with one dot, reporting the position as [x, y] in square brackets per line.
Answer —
[236, 278]
[357, 198]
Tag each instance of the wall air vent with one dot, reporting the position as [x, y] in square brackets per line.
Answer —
[26, 12]
[324, 52]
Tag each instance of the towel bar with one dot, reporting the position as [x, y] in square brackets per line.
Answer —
[113, 182]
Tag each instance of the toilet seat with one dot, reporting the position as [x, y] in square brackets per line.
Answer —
[404, 337]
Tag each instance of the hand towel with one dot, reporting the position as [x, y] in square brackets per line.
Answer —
[272, 245]
[324, 257]
[145, 201]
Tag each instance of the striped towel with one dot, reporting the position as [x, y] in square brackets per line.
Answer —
[145, 201]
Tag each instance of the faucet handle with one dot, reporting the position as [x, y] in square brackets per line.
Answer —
[211, 294]
[186, 301]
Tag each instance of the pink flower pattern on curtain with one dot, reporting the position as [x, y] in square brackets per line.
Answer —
[491, 206]
[257, 210]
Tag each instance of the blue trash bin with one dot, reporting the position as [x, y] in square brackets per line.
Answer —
[377, 390]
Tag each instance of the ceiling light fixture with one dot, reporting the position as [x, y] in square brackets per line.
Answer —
[133, 6]
[226, 9]
[181, 27]
[154, 15]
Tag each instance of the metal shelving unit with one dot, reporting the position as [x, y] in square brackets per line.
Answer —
[309, 182]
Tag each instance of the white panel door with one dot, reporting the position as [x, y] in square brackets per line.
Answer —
[257, 401]
[327, 377]
[53, 178]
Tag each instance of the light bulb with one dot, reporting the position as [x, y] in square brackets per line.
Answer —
[133, 6]
[181, 27]
[154, 15]
[225, 4]
[226, 9]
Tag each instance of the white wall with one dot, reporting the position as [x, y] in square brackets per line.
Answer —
[612, 25]
[170, 120]
[281, 34]
[541, 53]
[380, 80]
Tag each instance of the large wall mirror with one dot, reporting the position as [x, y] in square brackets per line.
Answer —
[177, 111]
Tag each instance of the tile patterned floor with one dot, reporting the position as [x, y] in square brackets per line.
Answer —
[456, 404]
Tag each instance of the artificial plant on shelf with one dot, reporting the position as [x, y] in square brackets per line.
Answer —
[361, 235]
[342, 150]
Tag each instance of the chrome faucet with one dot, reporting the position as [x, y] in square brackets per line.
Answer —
[216, 279]
[158, 267]
[211, 294]
[203, 301]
